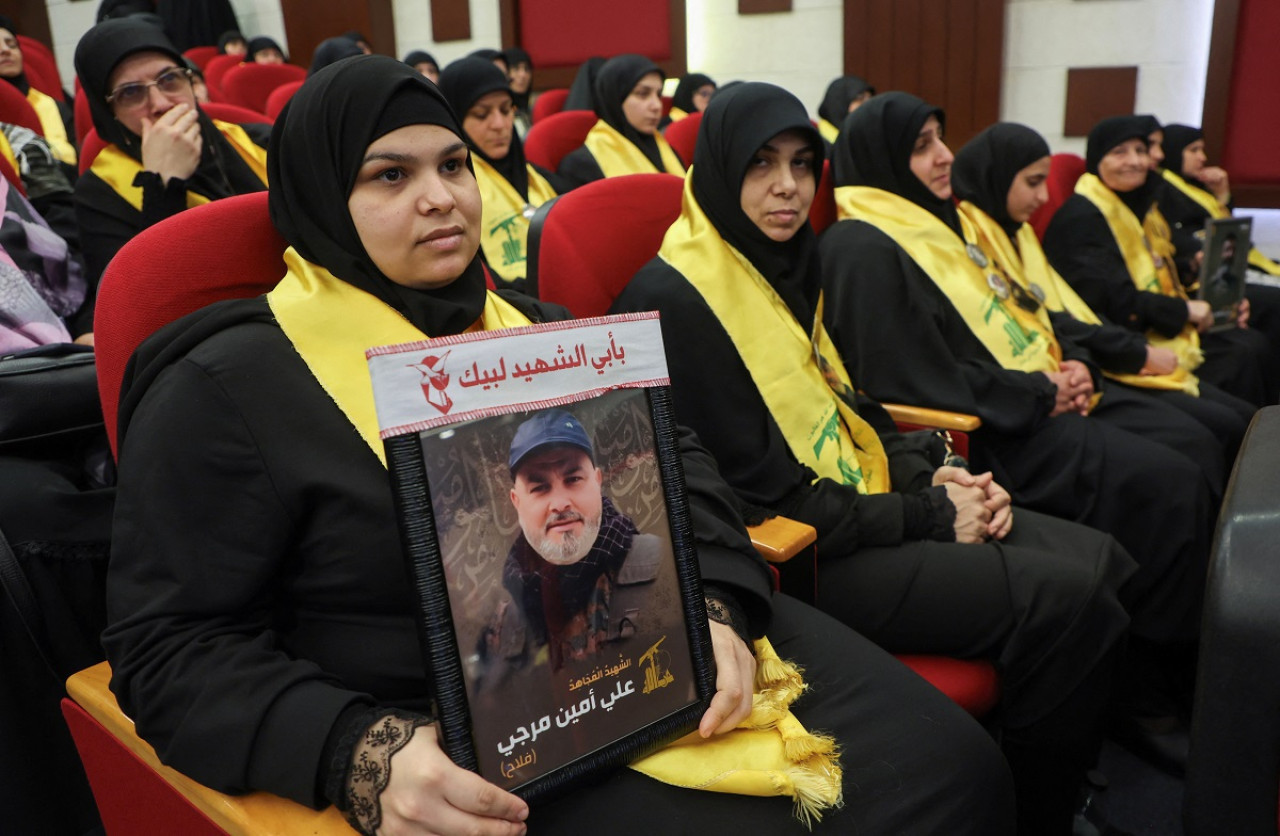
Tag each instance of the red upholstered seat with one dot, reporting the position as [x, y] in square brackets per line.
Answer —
[1064, 170]
[249, 85]
[549, 140]
[8, 172]
[41, 67]
[583, 249]
[90, 147]
[682, 136]
[823, 212]
[216, 69]
[549, 102]
[201, 55]
[16, 110]
[83, 118]
[280, 97]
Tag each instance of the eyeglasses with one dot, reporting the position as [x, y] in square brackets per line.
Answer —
[171, 82]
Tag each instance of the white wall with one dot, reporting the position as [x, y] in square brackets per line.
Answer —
[1168, 40]
[413, 30]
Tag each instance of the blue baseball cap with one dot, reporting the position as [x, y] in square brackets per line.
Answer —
[549, 428]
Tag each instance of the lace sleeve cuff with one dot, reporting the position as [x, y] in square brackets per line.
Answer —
[368, 753]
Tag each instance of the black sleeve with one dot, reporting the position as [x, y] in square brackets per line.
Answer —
[1080, 246]
[578, 168]
[557, 182]
[1113, 348]
[259, 132]
[903, 342]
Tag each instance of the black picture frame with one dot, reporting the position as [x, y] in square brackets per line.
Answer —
[1224, 267]
[449, 610]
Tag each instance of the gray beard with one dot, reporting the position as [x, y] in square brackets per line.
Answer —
[570, 548]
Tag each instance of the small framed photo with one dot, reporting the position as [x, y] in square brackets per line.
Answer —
[542, 508]
[1222, 272]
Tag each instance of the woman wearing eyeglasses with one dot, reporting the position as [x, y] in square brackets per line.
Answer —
[163, 154]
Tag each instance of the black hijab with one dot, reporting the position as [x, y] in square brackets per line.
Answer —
[227, 37]
[874, 149]
[514, 56]
[1176, 139]
[582, 92]
[261, 43]
[421, 56]
[840, 94]
[736, 124]
[463, 83]
[331, 50]
[1114, 131]
[690, 84]
[317, 147]
[221, 172]
[110, 9]
[488, 54]
[985, 168]
[19, 80]
[617, 78]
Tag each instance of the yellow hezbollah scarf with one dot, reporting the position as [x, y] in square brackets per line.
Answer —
[675, 114]
[1027, 265]
[51, 125]
[505, 232]
[331, 323]
[617, 155]
[1147, 275]
[830, 132]
[1017, 338]
[6, 151]
[1210, 203]
[118, 169]
[799, 375]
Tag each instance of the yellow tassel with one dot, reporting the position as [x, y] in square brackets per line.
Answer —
[815, 791]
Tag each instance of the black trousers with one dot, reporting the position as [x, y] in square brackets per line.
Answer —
[914, 762]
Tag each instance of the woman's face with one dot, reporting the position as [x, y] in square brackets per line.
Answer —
[1194, 159]
[10, 55]
[431, 71]
[489, 123]
[643, 106]
[237, 47]
[1124, 168]
[148, 68]
[521, 78]
[1029, 191]
[779, 185]
[702, 96]
[859, 100]
[270, 55]
[931, 159]
[1155, 149]
[416, 206]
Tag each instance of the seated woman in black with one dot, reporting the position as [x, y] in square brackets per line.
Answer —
[919, 558]
[1000, 177]
[691, 96]
[844, 95]
[1104, 243]
[510, 187]
[57, 124]
[520, 76]
[625, 140]
[260, 623]
[164, 154]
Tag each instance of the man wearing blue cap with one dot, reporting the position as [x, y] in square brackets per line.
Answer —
[570, 555]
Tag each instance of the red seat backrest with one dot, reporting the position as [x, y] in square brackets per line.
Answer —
[280, 97]
[201, 55]
[822, 213]
[682, 136]
[90, 147]
[7, 171]
[1064, 170]
[219, 66]
[152, 282]
[16, 110]
[41, 67]
[549, 140]
[248, 85]
[83, 118]
[591, 241]
[549, 102]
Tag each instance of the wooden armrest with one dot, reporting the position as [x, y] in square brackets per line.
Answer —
[779, 539]
[921, 416]
[256, 813]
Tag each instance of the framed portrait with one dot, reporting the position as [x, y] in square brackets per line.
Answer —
[543, 513]
[1222, 272]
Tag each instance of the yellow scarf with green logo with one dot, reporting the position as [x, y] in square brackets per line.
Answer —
[799, 375]
[829, 131]
[1027, 265]
[118, 169]
[505, 232]
[1210, 203]
[1017, 338]
[616, 155]
[331, 323]
[1145, 273]
[52, 126]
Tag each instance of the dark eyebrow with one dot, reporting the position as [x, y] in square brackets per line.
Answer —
[397, 157]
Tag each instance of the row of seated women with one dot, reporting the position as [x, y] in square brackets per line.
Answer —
[261, 634]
